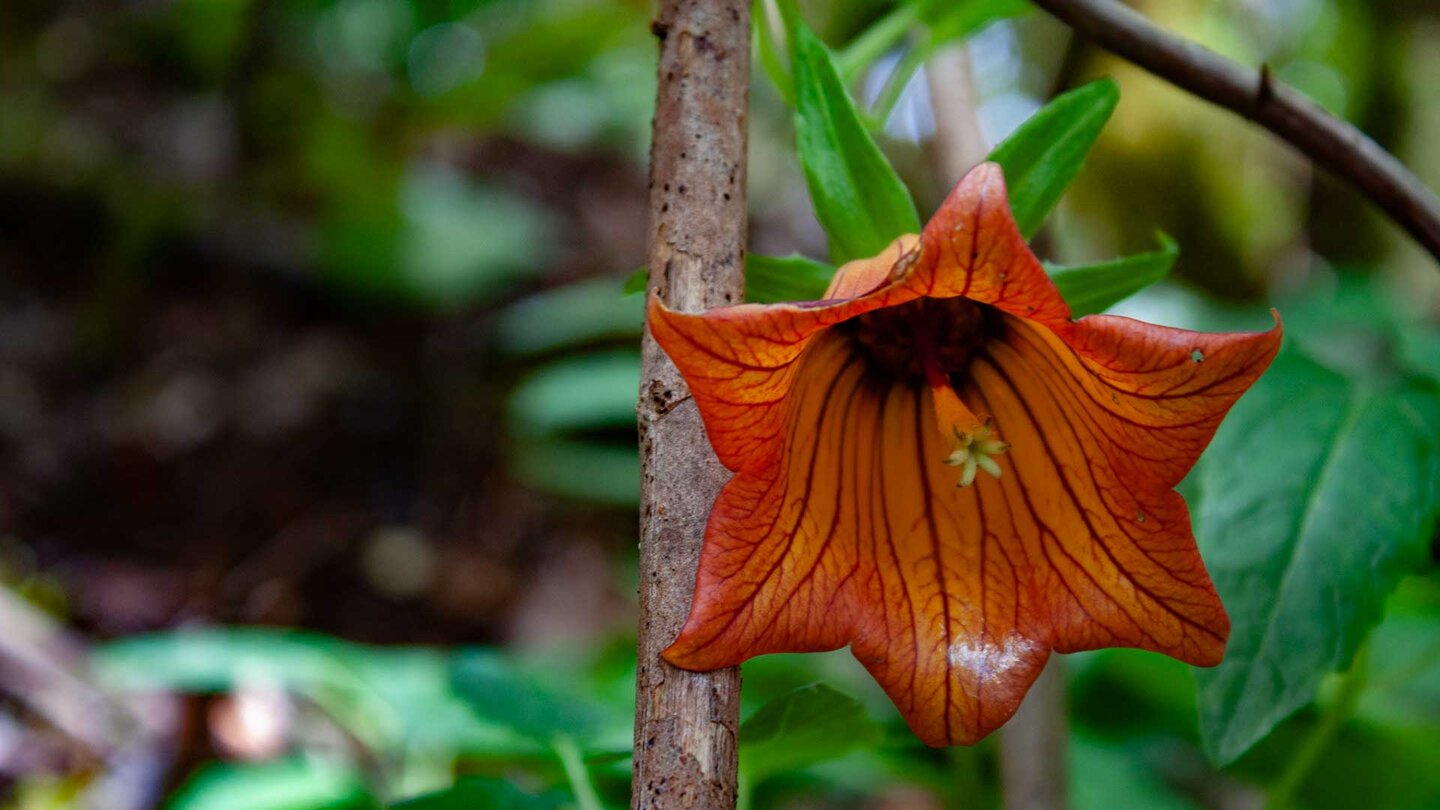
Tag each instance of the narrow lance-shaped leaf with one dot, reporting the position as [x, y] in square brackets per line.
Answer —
[1092, 288]
[858, 197]
[1318, 496]
[1043, 156]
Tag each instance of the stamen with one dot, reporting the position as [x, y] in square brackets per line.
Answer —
[973, 444]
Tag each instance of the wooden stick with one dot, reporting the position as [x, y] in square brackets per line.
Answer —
[686, 723]
[1330, 142]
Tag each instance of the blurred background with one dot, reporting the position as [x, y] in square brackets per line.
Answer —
[317, 374]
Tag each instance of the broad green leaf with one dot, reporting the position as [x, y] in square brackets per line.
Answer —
[770, 279]
[858, 197]
[484, 792]
[801, 728]
[1104, 775]
[1420, 350]
[1043, 156]
[1092, 288]
[500, 692]
[294, 784]
[217, 660]
[392, 698]
[1318, 495]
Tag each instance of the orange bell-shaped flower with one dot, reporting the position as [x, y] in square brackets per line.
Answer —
[938, 467]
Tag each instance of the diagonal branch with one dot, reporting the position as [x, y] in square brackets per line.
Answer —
[1330, 142]
[686, 723]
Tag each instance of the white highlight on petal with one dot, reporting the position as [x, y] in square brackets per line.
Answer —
[987, 660]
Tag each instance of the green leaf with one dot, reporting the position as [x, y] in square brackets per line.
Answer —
[770, 279]
[950, 20]
[592, 391]
[768, 50]
[392, 698]
[583, 312]
[878, 39]
[294, 784]
[487, 792]
[1318, 496]
[637, 281]
[1043, 156]
[216, 660]
[602, 472]
[500, 692]
[812, 724]
[1104, 775]
[858, 197]
[1092, 288]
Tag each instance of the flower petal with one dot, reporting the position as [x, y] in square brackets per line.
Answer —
[780, 546]
[1102, 423]
[843, 523]
[740, 361]
[972, 248]
[864, 276]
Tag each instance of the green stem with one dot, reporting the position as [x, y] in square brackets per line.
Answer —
[895, 86]
[769, 53]
[873, 43]
[744, 793]
[1332, 722]
[575, 771]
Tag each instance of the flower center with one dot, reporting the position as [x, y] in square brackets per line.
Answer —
[951, 327]
[933, 339]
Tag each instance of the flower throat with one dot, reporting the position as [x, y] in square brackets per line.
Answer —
[932, 341]
[901, 342]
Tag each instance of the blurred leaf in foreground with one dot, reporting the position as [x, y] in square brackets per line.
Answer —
[486, 793]
[801, 728]
[293, 784]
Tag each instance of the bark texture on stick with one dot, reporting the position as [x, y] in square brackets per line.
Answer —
[1330, 142]
[686, 723]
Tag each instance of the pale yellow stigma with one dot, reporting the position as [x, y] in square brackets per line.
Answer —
[973, 444]
[976, 451]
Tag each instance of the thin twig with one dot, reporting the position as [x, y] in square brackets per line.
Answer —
[1330, 142]
[686, 723]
